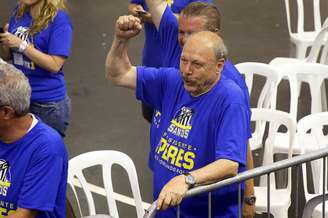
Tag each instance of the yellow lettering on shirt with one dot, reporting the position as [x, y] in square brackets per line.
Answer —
[177, 156]
[2, 212]
[188, 158]
[172, 153]
[162, 145]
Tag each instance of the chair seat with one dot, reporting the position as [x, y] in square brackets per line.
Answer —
[278, 198]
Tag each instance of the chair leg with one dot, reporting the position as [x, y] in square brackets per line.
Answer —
[301, 51]
[324, 97]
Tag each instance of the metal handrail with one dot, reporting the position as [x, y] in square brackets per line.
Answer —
[259, 171]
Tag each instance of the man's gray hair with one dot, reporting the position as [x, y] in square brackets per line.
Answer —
[220, 50]
[15, 90]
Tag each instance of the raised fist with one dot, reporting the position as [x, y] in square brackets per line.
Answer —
[127, 27]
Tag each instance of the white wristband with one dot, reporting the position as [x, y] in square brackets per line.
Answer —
[22, 46]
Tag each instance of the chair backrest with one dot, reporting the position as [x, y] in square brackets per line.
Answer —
[312, 73]
[319, 50]
[275, 120]
[300, 15]
[268, 95]
[106, 159]
[315, 123]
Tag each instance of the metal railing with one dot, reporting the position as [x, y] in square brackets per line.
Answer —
[259, 171]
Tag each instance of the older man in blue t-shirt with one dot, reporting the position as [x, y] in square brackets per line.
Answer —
[33, 158]
[204, 127]
[152, 51]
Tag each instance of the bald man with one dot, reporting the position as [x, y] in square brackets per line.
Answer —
[203, 128]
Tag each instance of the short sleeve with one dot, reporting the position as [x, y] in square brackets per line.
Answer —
[232, 134]
[150, 86]
[41, 182]
[168, 32]
[61, 35]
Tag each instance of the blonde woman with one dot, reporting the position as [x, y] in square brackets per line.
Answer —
[38, 41]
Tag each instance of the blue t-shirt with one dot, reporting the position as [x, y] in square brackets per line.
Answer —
[168, 34]
[194, 132]
[56, 39]
[33, 173]
[151, 56]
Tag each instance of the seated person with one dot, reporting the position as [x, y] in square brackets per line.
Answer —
[33, 158]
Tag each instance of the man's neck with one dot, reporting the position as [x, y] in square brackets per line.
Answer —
[16, 129]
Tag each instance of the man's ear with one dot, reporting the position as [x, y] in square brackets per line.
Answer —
[219, 65]
[7, 112]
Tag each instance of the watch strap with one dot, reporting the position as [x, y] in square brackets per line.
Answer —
[23, 46]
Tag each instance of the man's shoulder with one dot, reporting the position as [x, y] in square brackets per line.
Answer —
[47, 140]
[229, 89]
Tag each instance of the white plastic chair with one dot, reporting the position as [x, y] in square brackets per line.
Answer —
[301, 38]
[313, 122]
[314, 74]
[280, 199]
[106, 159]
[318, 54]
[268, 94]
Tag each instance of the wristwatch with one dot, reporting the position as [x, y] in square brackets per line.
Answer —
[22, 46]
[190, 180]
[250, 200]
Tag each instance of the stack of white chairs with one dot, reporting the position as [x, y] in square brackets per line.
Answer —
[303, 39]
[315, 123]
[318, 54]
[106, 159]
[267, 97]
[314, 74]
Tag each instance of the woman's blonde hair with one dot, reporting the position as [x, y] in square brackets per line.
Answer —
[48, 11]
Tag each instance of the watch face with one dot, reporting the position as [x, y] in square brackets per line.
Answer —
[190, 180]
[250, 200]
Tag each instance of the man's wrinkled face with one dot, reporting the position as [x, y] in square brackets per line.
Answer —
[189, 25]
[199, 67]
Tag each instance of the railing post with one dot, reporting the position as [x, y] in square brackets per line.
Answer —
[268, 194]
[324, 187]
[240, 208]
[178, 211]
[209, 204]
[298, 168]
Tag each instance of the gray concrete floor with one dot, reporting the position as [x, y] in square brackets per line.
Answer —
[105, 117]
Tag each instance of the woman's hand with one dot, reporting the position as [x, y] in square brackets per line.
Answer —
[10, 40]
[4, 48]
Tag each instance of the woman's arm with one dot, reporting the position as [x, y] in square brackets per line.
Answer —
[51, 63]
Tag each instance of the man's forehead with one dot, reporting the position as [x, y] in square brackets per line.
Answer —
[191, 21]
[193, 48]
